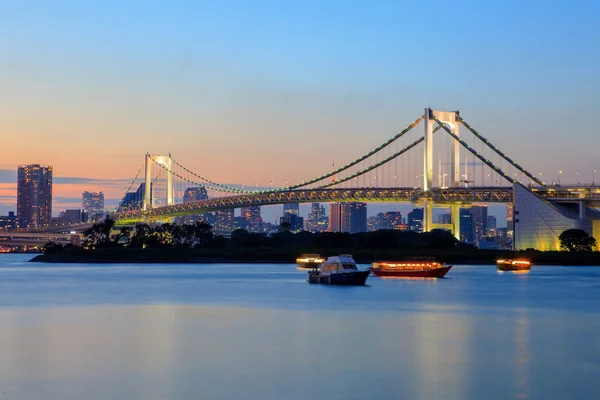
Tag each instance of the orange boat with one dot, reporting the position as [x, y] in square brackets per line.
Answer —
[411, 269]
[513, 265]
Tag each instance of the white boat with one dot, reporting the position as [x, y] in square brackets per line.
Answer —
[339, 270]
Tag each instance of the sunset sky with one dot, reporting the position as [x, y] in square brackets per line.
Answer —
[90, 86]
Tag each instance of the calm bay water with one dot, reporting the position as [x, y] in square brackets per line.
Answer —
[238, 331]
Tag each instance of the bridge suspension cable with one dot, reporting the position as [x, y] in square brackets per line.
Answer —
[129, 188]
[501, 154]
[380, 163]
[372, 167]
[475, 153]
[218, 189]
[314, 180]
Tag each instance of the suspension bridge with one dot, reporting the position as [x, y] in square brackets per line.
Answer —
[455, 170]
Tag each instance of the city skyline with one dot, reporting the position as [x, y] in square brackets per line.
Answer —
[122, 92]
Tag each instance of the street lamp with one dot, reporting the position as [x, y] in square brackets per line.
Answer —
[594, 178]
[559, 174]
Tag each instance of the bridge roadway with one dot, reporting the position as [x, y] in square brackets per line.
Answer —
[441, 197]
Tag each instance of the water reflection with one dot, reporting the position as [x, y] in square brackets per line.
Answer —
[248, 332]
[522, 359]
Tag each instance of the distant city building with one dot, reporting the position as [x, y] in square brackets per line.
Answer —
[491, 224]
[317, 218]
[9, 222]
[296, 222]
[444, 218]
[93, 203]
[254, 221]
[387, 220]
[292, 208]
[34, 195]
[191, 194]
[68, 217]
[510, 211]
[240, 223]
[479, 212]
[466, 225]
[134, 200]
[195, 193]
[348, 217]
[415, 220]
[224, 222]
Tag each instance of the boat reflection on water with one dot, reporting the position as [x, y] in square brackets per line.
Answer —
[517, 272]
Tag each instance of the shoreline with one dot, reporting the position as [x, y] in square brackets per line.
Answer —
[274, 256]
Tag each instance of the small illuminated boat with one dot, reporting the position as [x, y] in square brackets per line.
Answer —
[339, 270]
[410, 269]
[513, 265]
[309, 261]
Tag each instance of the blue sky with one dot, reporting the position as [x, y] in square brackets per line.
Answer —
[91, 86]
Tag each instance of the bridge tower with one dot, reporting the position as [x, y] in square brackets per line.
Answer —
[452, 120]
[165, 161]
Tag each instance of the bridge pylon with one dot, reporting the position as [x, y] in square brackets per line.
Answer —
[165, 161]
[452, 120]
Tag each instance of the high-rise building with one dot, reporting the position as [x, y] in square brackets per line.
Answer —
[8, 222]
[317, 218]
[292, 208]
[224, 222]
[466, 225]
[134, 200]
[34, 195]
[191, 194]
[444, 218]
[195, 193]
[295, 222]
[415, 220]
[491, 224]
[510, 212]
[253, 218]
[68, 217]
[479, 212]
[348, 217]
[93, 203]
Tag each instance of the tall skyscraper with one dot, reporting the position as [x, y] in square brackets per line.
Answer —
[93, 203]
[34, 195]
[510, 212]
[292, 208]
[317, 218]
[466, 225]
[195, 194]
[224, 220]
[134, 200]
[479, 212]
[415, 220]
[191, 194]
[348, 217]
[252, 216]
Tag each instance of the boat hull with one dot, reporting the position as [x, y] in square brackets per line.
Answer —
[511, 267]
[425, 273]
[357, 278]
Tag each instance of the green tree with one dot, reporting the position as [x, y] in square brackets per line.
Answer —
[576, 240]
[52, 248]
[99, 234]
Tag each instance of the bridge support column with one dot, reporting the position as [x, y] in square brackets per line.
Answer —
[147, 203]
[428, 155]
[455, 219]
[427, 216]
[455, 158]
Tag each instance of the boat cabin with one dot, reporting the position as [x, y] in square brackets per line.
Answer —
[338, 264]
